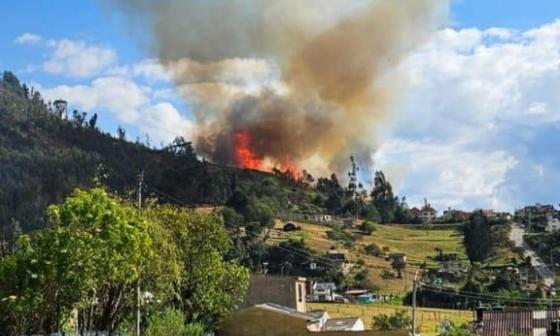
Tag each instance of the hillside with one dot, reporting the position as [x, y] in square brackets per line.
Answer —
[417, 242]
[43, 157]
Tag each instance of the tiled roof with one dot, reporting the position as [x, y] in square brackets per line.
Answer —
[519, 323]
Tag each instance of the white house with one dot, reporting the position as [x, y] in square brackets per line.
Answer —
[552, 223]
[323, 291]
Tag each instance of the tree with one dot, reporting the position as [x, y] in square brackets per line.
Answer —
[121, 133]
[454, 330]
[477, 237]
[399, 320]
[94, 244]
[92, 123]
[382, 198]
[373, 249]
[367, 227]
[210, 286]
[398, 265]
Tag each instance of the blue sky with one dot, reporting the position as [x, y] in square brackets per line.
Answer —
[478, 128]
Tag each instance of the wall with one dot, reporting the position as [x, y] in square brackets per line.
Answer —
[276, 289]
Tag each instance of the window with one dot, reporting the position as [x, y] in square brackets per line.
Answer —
[300, 293]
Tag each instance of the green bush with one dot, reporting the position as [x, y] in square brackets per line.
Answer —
[373, 249]
[195, 329]
[367, 227]
[170, 322]
[390, 322]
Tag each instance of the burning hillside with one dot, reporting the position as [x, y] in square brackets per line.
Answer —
[286, 83]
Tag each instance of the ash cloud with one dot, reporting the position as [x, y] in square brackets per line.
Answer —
[310, 81]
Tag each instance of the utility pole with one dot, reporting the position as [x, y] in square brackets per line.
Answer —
[138, 295]
[414, 288]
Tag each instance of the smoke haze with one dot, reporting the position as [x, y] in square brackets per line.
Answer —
[306, 82]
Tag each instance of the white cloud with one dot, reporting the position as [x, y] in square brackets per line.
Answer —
[78, 59]
[163, 122]
[122, 97]
[130, 103]
[448, 174]
[471, 92]
[28, 38]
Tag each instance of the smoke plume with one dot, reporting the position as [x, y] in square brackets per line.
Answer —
[288, 83]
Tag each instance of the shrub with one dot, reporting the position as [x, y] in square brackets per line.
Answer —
[373, 249]
[194, 329]
[170, 322]
[367, 227]
[347, 239]
[389, 322]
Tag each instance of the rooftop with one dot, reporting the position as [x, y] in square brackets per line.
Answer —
[340, 324]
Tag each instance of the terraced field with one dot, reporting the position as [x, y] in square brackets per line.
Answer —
[418, 243]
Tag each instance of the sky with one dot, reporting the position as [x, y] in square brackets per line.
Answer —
[477, 127]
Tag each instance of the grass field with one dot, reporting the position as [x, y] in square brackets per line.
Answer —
[428, 319]
[419, 244]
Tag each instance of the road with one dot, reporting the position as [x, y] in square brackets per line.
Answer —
[516, 235]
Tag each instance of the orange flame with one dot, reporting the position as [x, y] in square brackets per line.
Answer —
[244, 155]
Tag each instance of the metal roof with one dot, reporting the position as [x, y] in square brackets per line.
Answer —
[288, 311]
[519, 323]
[340, 324]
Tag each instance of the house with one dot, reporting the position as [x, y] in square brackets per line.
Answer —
[367, 298]
[353, 294]
[489, 213]
[336, 256]
[428, 213]
[344, 324]
[397, 258]
[415, 213]
[324, 218]
[552, 223]
[450, 264]
[456, 215]
[281, 290]
[536, 216]
[323, 291]
[275, 320]
[519, 323]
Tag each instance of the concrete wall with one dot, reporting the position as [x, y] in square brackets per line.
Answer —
[276, 289]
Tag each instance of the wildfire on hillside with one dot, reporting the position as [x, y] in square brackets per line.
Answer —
[273, 90]
[245, 157]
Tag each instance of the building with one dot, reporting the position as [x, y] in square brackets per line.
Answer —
[415, 213]
[519, 323]
[344, 324]
[324, 218]
[275, 320]
[323, 291]
[552, 223]
[456, 215]
[428, 213]
[536, 216]
[397, 257]
[280, 290]
[336, 256]
[450, 264]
